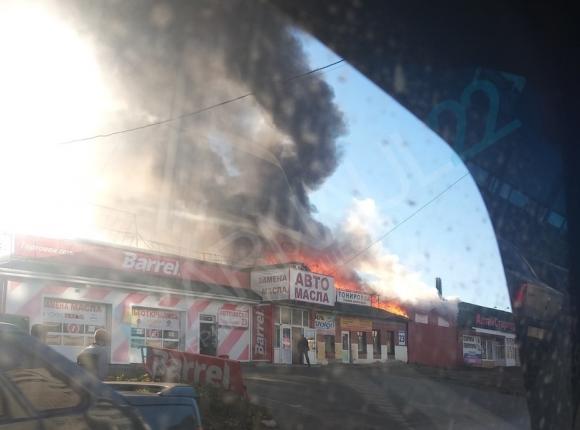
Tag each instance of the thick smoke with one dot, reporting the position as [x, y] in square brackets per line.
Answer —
[230, 178]
[234, 178]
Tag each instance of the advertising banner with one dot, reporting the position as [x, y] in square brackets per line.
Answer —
[262, 333]
[355, 324]
[272, 284]
[402, 338]
[173, 366]
[353, 297]
[233, 317]
[155, 318]
[472, 349]
[325, 323]
[71, 322]
[96, 255]
[312, 287]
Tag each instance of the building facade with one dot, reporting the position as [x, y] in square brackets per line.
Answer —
[469, 335]
[160, 300]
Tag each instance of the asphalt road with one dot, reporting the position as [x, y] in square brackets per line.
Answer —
[379, 397]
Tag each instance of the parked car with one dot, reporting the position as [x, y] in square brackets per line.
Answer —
[163, 405]
[41, 389]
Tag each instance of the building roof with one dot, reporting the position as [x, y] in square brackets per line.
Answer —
[367, 312]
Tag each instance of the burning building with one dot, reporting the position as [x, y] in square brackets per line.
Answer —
[162, 300]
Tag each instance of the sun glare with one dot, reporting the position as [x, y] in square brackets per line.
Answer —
[51, 91]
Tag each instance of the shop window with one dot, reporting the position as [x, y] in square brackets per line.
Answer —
[154, 327]
[362, 344]
[277, 336]
[376, 344]
[296, 317]
[305, 319]
[486, 349]
[66, 321]
[422, 318]
[499, 351]
[285, 315]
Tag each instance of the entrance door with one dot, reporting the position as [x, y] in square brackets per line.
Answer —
[310, 335]
[296, 336]
[345, 347]
[510, 352]
[286, 344]
[208, 337]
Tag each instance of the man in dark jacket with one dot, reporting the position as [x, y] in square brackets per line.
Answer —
[303, 349]
[95, 357]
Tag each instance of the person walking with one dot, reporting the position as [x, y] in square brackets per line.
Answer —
[95, 357]
[303, 349]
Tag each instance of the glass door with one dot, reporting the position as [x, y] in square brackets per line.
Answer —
[208, 335]
[345, 347]
[310, 335]
[286, 344]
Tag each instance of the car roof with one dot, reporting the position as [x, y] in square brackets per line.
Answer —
[152, 399]
[160, 389]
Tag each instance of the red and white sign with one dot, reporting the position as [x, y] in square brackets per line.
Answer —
[233, 317]
[353, 297]
[90, 254]
[262, 333]
[173, 366]
[150, 264]
[312, 287]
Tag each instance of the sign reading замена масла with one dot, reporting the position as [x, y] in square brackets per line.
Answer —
[294, 284]
[353, 297]
[271, 284]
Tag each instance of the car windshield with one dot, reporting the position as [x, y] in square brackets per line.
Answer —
[338, 215]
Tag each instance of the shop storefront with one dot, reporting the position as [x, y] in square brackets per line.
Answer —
[486, 337]
[372, 334]
[141, 299]
[296, 295]
[325, 325]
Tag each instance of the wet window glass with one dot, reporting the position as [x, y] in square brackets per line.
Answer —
[210, 179]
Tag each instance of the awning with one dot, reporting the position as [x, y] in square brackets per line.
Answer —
[495, 332]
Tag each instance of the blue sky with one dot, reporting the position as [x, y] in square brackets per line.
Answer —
[391, 157]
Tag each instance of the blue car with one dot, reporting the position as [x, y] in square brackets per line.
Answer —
[163, 405]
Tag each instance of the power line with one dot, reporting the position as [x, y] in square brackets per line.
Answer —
[193, 113]
[381, 238]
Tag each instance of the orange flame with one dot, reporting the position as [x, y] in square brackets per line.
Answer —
[344, 278]
[392, 307]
